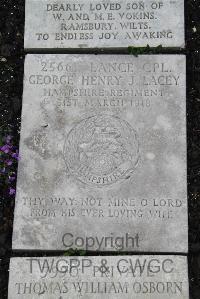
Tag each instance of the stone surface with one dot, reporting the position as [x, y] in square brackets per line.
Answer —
[144, 277]
[103, 24]
[103, 154]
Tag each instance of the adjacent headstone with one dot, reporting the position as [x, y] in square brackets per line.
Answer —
[101, 24]
[124, 277]
[103, 154]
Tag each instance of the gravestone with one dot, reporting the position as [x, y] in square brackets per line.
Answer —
[124, 277]
[103, 154]
[103, 24]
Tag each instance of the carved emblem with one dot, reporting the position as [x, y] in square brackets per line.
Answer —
[101, 150]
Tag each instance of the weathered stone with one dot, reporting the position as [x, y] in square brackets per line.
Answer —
[103, 154]
[99, 277]
[103, 24]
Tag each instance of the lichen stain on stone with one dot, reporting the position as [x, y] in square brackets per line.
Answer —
[38, 143]
[55, 112]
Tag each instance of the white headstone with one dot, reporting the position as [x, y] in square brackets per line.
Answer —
[113, 277]
[103, 154]
[103, 24]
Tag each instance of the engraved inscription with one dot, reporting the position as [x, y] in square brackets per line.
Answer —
[104, 24]
[101, 150]
[113, 277]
